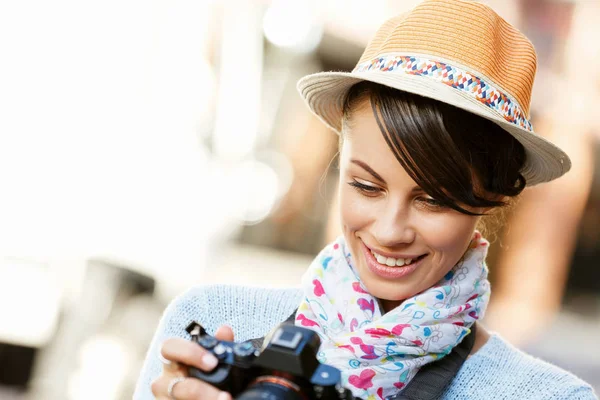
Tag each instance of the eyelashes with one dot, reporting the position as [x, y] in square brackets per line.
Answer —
[432, 202]
[372, 191]
[361, 187]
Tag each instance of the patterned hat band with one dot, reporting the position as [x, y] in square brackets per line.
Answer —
[454, 77]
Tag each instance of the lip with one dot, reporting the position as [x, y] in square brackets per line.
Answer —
[386, 254]
[385, 271]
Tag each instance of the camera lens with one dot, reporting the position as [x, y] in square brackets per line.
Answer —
[271, 388]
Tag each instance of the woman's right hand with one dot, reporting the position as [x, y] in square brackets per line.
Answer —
[177, 354]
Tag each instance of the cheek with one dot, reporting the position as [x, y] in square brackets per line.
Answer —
[354, 209]
[448, 234]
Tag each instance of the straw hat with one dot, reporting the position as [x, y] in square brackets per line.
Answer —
[458, 52]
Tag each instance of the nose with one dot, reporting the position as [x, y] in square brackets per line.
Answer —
[393, 227]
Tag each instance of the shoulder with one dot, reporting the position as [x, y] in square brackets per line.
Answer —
[499, 370]
[251, 311]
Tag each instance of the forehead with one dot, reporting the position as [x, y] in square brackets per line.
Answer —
[363, 140]
[361, 130]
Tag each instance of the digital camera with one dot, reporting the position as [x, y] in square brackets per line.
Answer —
[285, 368]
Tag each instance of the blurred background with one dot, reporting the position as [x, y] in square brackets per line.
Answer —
[149, 146]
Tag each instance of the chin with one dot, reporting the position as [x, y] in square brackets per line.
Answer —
[384, 293]
[388, 299]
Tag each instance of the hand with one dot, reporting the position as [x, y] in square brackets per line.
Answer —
[178, 351]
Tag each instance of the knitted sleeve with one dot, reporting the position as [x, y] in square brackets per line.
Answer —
[501, 371]
[250, 311]
[581, 393]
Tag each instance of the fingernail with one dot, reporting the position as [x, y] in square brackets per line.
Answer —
[209, 360]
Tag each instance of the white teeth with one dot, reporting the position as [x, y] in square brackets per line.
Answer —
[390, 261]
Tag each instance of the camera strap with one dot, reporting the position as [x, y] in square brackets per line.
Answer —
[434, 378]
[431, 380]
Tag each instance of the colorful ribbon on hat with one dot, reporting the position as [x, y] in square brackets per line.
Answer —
[455, 77]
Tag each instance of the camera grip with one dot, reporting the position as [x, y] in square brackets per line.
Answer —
[218, 377]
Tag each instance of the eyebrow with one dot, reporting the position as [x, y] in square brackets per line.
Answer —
[364, 166]
[370, 170]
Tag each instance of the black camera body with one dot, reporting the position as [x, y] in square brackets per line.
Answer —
[285, 368]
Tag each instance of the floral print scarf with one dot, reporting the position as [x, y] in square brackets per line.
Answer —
[377, 353]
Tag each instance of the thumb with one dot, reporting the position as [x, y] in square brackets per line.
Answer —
[224, 333]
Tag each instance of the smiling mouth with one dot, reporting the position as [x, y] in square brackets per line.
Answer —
[395, 262]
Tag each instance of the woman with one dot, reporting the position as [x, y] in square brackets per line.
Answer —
[434, 139]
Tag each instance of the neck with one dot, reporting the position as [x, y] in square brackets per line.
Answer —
[389, 305]
[481, 338]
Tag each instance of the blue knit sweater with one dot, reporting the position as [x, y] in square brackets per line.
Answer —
[496, 371]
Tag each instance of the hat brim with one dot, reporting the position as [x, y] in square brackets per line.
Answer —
[325, 93]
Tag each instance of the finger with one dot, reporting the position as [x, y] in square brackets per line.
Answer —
[224, 333]
[160, 388]
[174, 368]
[187, 389]
[188, 353]
[168, 365]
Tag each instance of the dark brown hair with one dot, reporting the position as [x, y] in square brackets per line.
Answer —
[458, 158]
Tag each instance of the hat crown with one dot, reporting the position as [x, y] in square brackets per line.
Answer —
[466, 33]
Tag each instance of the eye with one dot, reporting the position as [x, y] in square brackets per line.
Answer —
[431, 202]
[364, 189]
